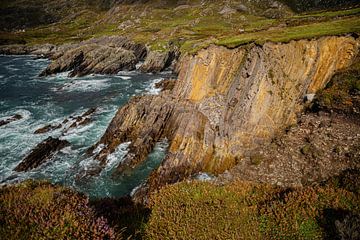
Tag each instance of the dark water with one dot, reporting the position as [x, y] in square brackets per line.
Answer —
[41, 101]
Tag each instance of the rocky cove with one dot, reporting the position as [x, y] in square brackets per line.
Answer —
[168, 123]
[224, 106]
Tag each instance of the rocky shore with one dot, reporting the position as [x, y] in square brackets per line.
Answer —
[105, 55]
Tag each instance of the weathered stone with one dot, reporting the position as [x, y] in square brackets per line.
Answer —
[158, 61]
[41, 153]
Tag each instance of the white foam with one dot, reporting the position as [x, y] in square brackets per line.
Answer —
[139, 64]
[25, 114]
[132, 193]
[84, 86]
[116, 157]
[99, 148]
[151, 89]
[128, 73]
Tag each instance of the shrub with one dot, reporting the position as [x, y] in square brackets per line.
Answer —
[39, 210]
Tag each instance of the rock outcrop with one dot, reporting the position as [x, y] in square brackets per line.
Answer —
[166, 85]
[107, 55]
[10, 119]
[158, 61]
[225, 104]
[68, 124]
[41, 153]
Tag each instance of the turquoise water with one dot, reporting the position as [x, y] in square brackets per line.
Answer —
[41, 101]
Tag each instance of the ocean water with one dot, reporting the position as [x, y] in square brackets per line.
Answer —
[50, 100]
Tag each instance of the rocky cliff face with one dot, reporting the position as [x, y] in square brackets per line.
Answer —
[226, 103]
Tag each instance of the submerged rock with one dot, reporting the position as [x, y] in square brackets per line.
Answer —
[11, 119]
[41, 153]
[47, 128]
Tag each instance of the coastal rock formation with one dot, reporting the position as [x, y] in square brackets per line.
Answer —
[11, 119]
[105, 55]
[47, 128]
[166, 84]
[69, 124]
[158, 61]
[41, 153]
[225, 104]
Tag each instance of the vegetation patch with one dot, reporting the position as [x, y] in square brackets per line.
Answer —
[245, 210]
[342, 93]
[39, 210]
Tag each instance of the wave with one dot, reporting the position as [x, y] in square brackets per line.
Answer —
[84, 86]
[151, 89]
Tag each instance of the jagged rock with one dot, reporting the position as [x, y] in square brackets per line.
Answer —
[82, 120]
[47, 128]
[11, 119]
[225, 104]
[105, 55]
[15, 49]
[92, 58]
[41, 153]
[158, 61]
[166, 84]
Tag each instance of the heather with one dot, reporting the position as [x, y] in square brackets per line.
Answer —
[40, 210]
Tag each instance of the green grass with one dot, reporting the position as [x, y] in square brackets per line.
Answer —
[336, 27]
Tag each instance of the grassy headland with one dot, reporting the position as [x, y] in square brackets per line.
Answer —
[191, 27]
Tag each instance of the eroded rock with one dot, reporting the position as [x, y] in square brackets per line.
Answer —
[158, 61]
[41, 153]
[166, 84]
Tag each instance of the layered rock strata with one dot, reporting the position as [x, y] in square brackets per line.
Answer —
[225, 104]
[105, 55]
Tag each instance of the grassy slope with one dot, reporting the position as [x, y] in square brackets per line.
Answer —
[244, 210]
[192, 27]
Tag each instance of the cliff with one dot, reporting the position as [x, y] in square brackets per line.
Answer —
[225, 104]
